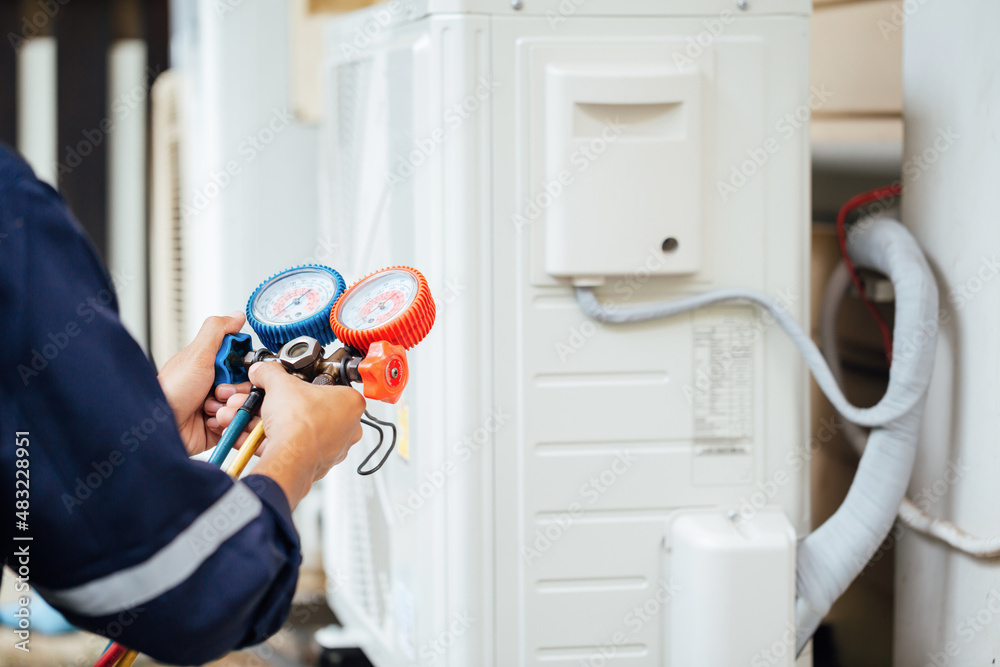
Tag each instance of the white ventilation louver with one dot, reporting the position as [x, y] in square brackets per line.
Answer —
[166, 248]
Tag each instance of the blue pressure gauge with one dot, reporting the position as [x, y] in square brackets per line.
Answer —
[293, 303]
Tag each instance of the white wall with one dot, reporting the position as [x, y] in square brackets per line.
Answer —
[948, 605]
[261, 215]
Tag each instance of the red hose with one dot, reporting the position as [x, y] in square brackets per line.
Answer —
[854, 202]
[111, 656]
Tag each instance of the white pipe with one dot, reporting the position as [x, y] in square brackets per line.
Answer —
[36, 107]
[833, 555]
[949, 533]
[911, 515]
[126, 134]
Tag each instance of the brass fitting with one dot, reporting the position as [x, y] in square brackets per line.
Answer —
[300, 354]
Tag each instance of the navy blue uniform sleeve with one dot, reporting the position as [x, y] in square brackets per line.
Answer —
[129, 538]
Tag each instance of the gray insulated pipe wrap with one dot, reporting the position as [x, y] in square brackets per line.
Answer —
[832, 556]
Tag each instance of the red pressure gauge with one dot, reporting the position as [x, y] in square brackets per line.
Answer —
[393, 305]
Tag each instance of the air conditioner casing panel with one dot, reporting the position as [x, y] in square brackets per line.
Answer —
[490, 543]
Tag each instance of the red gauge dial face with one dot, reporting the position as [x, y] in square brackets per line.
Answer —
[380, 310]
[392, 305]
[378, 300]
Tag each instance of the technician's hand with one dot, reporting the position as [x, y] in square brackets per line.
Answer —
[187, 378]
[309, 428]
[222, 407]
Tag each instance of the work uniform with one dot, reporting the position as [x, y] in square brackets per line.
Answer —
[104, 513]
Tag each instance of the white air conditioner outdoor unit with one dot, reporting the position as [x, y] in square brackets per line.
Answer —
[567, 493]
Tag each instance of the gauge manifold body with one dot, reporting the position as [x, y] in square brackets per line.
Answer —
[295, 302]
[393, 305]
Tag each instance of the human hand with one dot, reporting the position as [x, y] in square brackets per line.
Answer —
[221, 407]
[186, 380]
[308, 428]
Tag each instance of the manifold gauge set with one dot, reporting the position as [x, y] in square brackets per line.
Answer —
[298, 313]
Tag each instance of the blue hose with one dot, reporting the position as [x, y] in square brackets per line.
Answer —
[235, 428]
[229, 437]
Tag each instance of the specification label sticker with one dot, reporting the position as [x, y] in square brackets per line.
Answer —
[722, 398]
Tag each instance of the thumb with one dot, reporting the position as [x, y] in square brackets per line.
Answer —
[269, 374]
[209, 338]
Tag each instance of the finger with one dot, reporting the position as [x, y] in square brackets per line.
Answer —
[218, 427]
[213, 406]
[347, 398]
[225, 415]
[358, 433]
[209, 338]
[355, 401]
[219, 424]
[236, 400]
[269, 374]
[224, 391]
[216, 435]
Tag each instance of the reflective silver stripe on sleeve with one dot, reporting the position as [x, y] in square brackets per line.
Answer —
[167, 568]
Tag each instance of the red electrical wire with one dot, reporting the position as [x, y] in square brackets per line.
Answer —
[111, 656]
[857, 201]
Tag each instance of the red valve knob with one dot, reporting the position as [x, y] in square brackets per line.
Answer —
[384, 371]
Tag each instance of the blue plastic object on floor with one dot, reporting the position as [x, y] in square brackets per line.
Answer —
[43, 617]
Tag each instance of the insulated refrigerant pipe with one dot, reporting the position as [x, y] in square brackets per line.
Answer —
[909, 513]
[832, 556]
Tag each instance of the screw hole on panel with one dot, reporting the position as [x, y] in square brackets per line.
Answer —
[670, 244]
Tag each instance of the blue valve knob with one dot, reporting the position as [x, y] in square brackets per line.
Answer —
[229, 360]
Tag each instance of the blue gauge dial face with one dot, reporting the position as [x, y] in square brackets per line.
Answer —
[294, 296]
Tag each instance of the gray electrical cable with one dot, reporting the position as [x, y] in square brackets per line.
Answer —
[911, 515]
[899, 399]
[833, 296]
[834, 554]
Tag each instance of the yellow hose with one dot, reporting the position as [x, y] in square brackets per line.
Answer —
[127, 659]
[246, 451]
